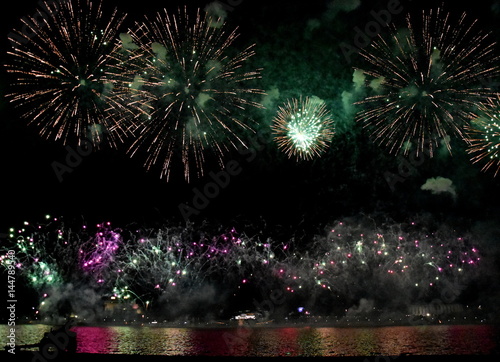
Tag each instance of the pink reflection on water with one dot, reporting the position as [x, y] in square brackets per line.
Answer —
[278, 341]
[220, 341]
[95, 340]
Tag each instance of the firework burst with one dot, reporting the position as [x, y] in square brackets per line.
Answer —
[355, 259]
[60, 70]
[428, 80]
[484, 136]
[303, 128]
[193, 90]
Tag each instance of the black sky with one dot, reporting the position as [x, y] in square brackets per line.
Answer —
[108, 185]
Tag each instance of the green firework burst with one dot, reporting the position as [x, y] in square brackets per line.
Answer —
[484, 136]
[303, 128]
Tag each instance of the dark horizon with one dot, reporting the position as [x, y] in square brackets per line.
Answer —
[349, 179]
[273, 201]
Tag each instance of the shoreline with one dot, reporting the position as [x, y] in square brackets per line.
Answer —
[76, 357]
[30, 355]
[282, 324]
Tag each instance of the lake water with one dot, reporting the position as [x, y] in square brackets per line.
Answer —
[274, 341]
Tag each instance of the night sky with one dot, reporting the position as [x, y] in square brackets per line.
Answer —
[300, 49]
[297, 60]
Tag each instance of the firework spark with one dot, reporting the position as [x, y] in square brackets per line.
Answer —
[193, 88]
[354, 259]
[98, 255]
[484, 136]
[427, 79]
[303, 128]
[59, 70]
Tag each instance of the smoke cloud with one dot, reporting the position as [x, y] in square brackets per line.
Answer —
[439, 185]
[342, 5]
[127, 42]
[216, 13]
[66, 300]
[271, 96]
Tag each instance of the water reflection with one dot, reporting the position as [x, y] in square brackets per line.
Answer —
[349, 341]
[134, 340]
[219, 342]
[27, 334]
[310, 342]
[269, 341]
[96, 340]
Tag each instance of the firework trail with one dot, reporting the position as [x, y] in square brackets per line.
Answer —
[47, 259]
[59, 71]
[358, 261]
[393, 264]
[45, 252]
[484, 136]
[428, 80]
[166, 258]
[303, 128]
[97, 255]
[192, 88]
[180, 259]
